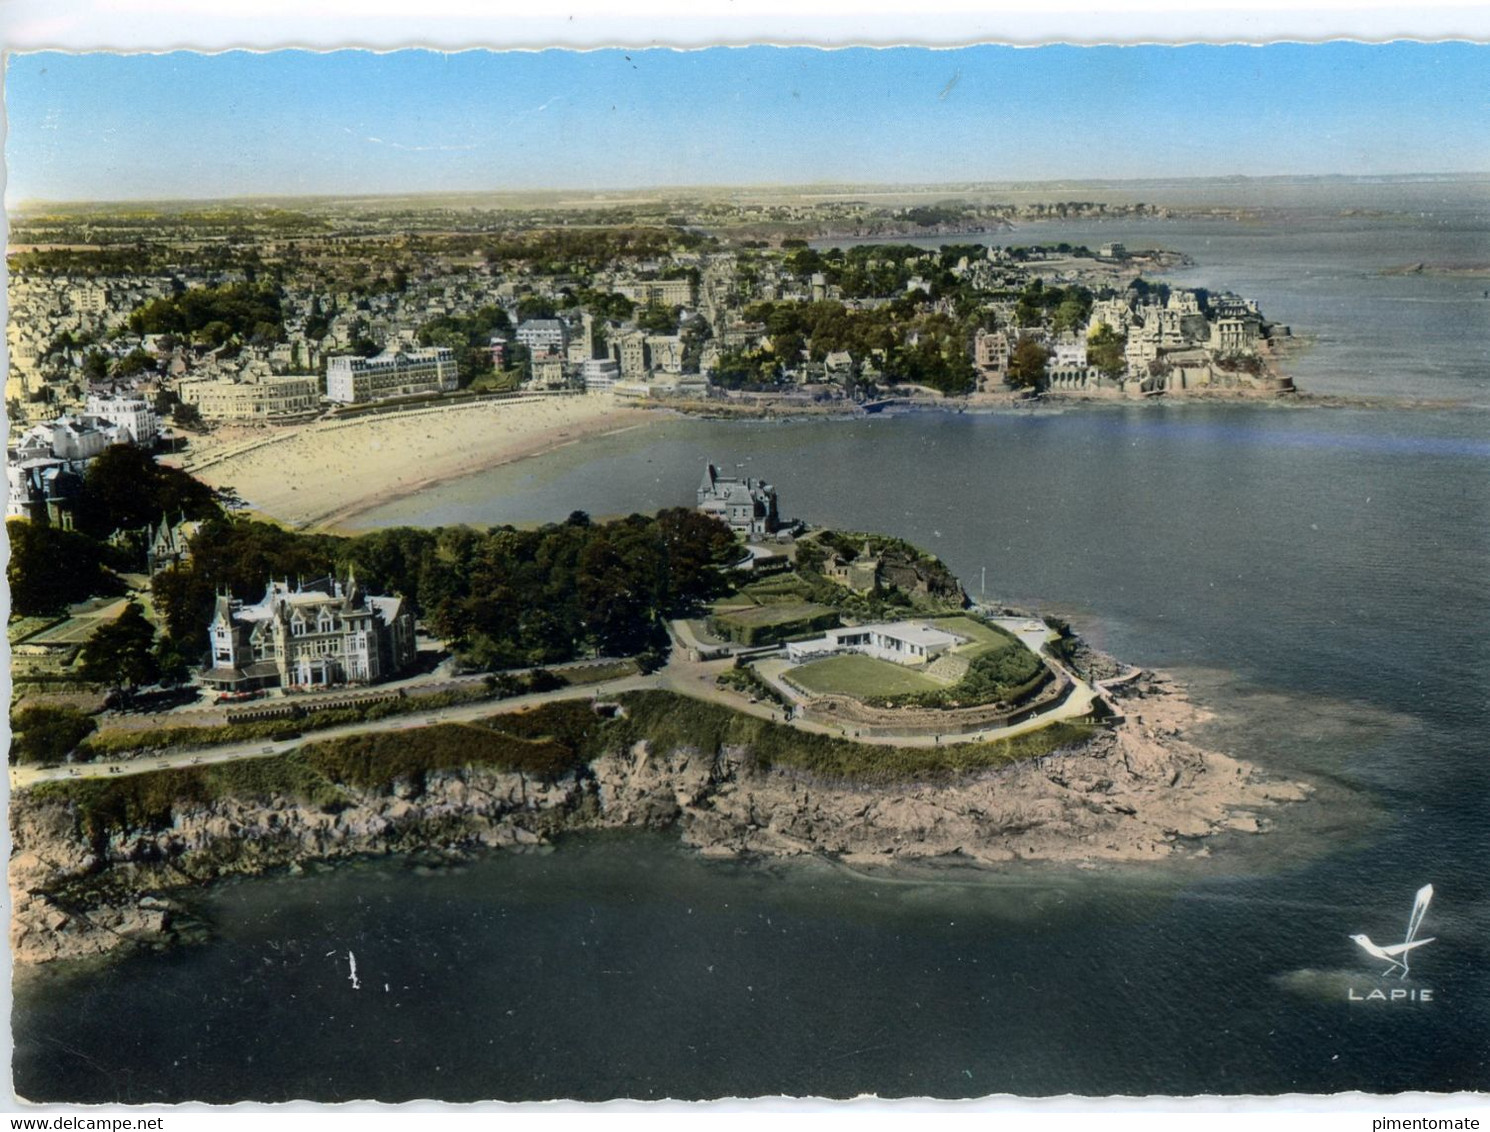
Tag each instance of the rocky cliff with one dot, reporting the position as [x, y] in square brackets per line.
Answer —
[1140, 792]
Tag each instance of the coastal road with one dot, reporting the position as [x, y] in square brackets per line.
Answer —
[22, 777]
[694, 679]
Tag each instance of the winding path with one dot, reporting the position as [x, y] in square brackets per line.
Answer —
[694, 679]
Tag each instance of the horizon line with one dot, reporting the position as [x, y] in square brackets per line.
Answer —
[32, 204]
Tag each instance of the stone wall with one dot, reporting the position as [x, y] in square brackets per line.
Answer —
[859, 718]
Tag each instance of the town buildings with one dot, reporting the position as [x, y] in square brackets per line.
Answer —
[72, 337]
[397, 373]
[659, 292]
[43, 489]
[991, 350]
[543, 336]
[68, 438]
[319, 634]
[134, 417]
[600, 375]
[170, 544]
[261, 397]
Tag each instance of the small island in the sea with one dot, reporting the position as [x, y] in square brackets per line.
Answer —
[765, 688]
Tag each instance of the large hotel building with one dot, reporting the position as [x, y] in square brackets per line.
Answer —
[259, 398]
[391, 374]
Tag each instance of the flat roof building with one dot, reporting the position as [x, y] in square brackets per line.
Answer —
[398, 373]
[903, 642]
[263, 399]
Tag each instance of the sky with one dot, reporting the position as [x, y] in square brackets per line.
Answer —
[289, 123]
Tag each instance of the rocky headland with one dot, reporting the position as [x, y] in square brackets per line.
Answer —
[1136, 791]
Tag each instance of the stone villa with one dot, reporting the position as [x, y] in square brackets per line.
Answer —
[748, 505]
[319, 634]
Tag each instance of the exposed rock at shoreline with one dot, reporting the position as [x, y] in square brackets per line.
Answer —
[1138, 793]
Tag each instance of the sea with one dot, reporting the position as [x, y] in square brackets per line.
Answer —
[1316, 576]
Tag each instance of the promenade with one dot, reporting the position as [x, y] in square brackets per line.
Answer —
[697, 680]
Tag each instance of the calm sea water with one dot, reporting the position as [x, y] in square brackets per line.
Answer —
[1317, 576]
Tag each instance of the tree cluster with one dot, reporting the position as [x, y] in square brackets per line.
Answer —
[503, 598]
[213, 316]
[1066, 308]
[1104, 350]
[50, 569]
[469, 336]
[507, 597]
[124, 488]
[557, 251]
[919, 347]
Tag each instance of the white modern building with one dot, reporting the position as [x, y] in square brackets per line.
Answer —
[132, 415]
[543, 336]
[902, 642]
[600, 375]
[396, 373]
[68, 438]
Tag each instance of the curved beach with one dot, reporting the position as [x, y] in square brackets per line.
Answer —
[322, 474]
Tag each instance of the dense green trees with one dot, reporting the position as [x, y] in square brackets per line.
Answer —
[937, 358]
[503, 598]
[581, 249]
[212, 316]
[746, 369]
[51, 569]
[1104, 350]
[601, 304]
[658, 319]
[920, 347]
[44, 733]
[535, 306]
[1027, 364]
[186, 416]
[121, 653]
[508, 597]
[134, 363]
[469, 336]
[1066, 308]
[125, 488]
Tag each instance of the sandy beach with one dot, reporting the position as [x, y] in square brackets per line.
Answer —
[320, 475]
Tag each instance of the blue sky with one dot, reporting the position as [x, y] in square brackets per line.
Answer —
[112, 127]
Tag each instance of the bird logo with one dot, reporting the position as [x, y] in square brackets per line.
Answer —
[1397, 954]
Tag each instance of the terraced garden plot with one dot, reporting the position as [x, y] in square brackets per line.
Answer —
[981, 638]
[765, 624]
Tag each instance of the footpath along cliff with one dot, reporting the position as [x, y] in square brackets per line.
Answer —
[105, 864]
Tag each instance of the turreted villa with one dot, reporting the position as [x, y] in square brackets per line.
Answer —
[748, 506]
[318, 634]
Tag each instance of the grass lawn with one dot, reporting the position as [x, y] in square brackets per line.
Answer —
[784, 587]
[860, 676]
[981, 638]
[779, 613]
[763, 624]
